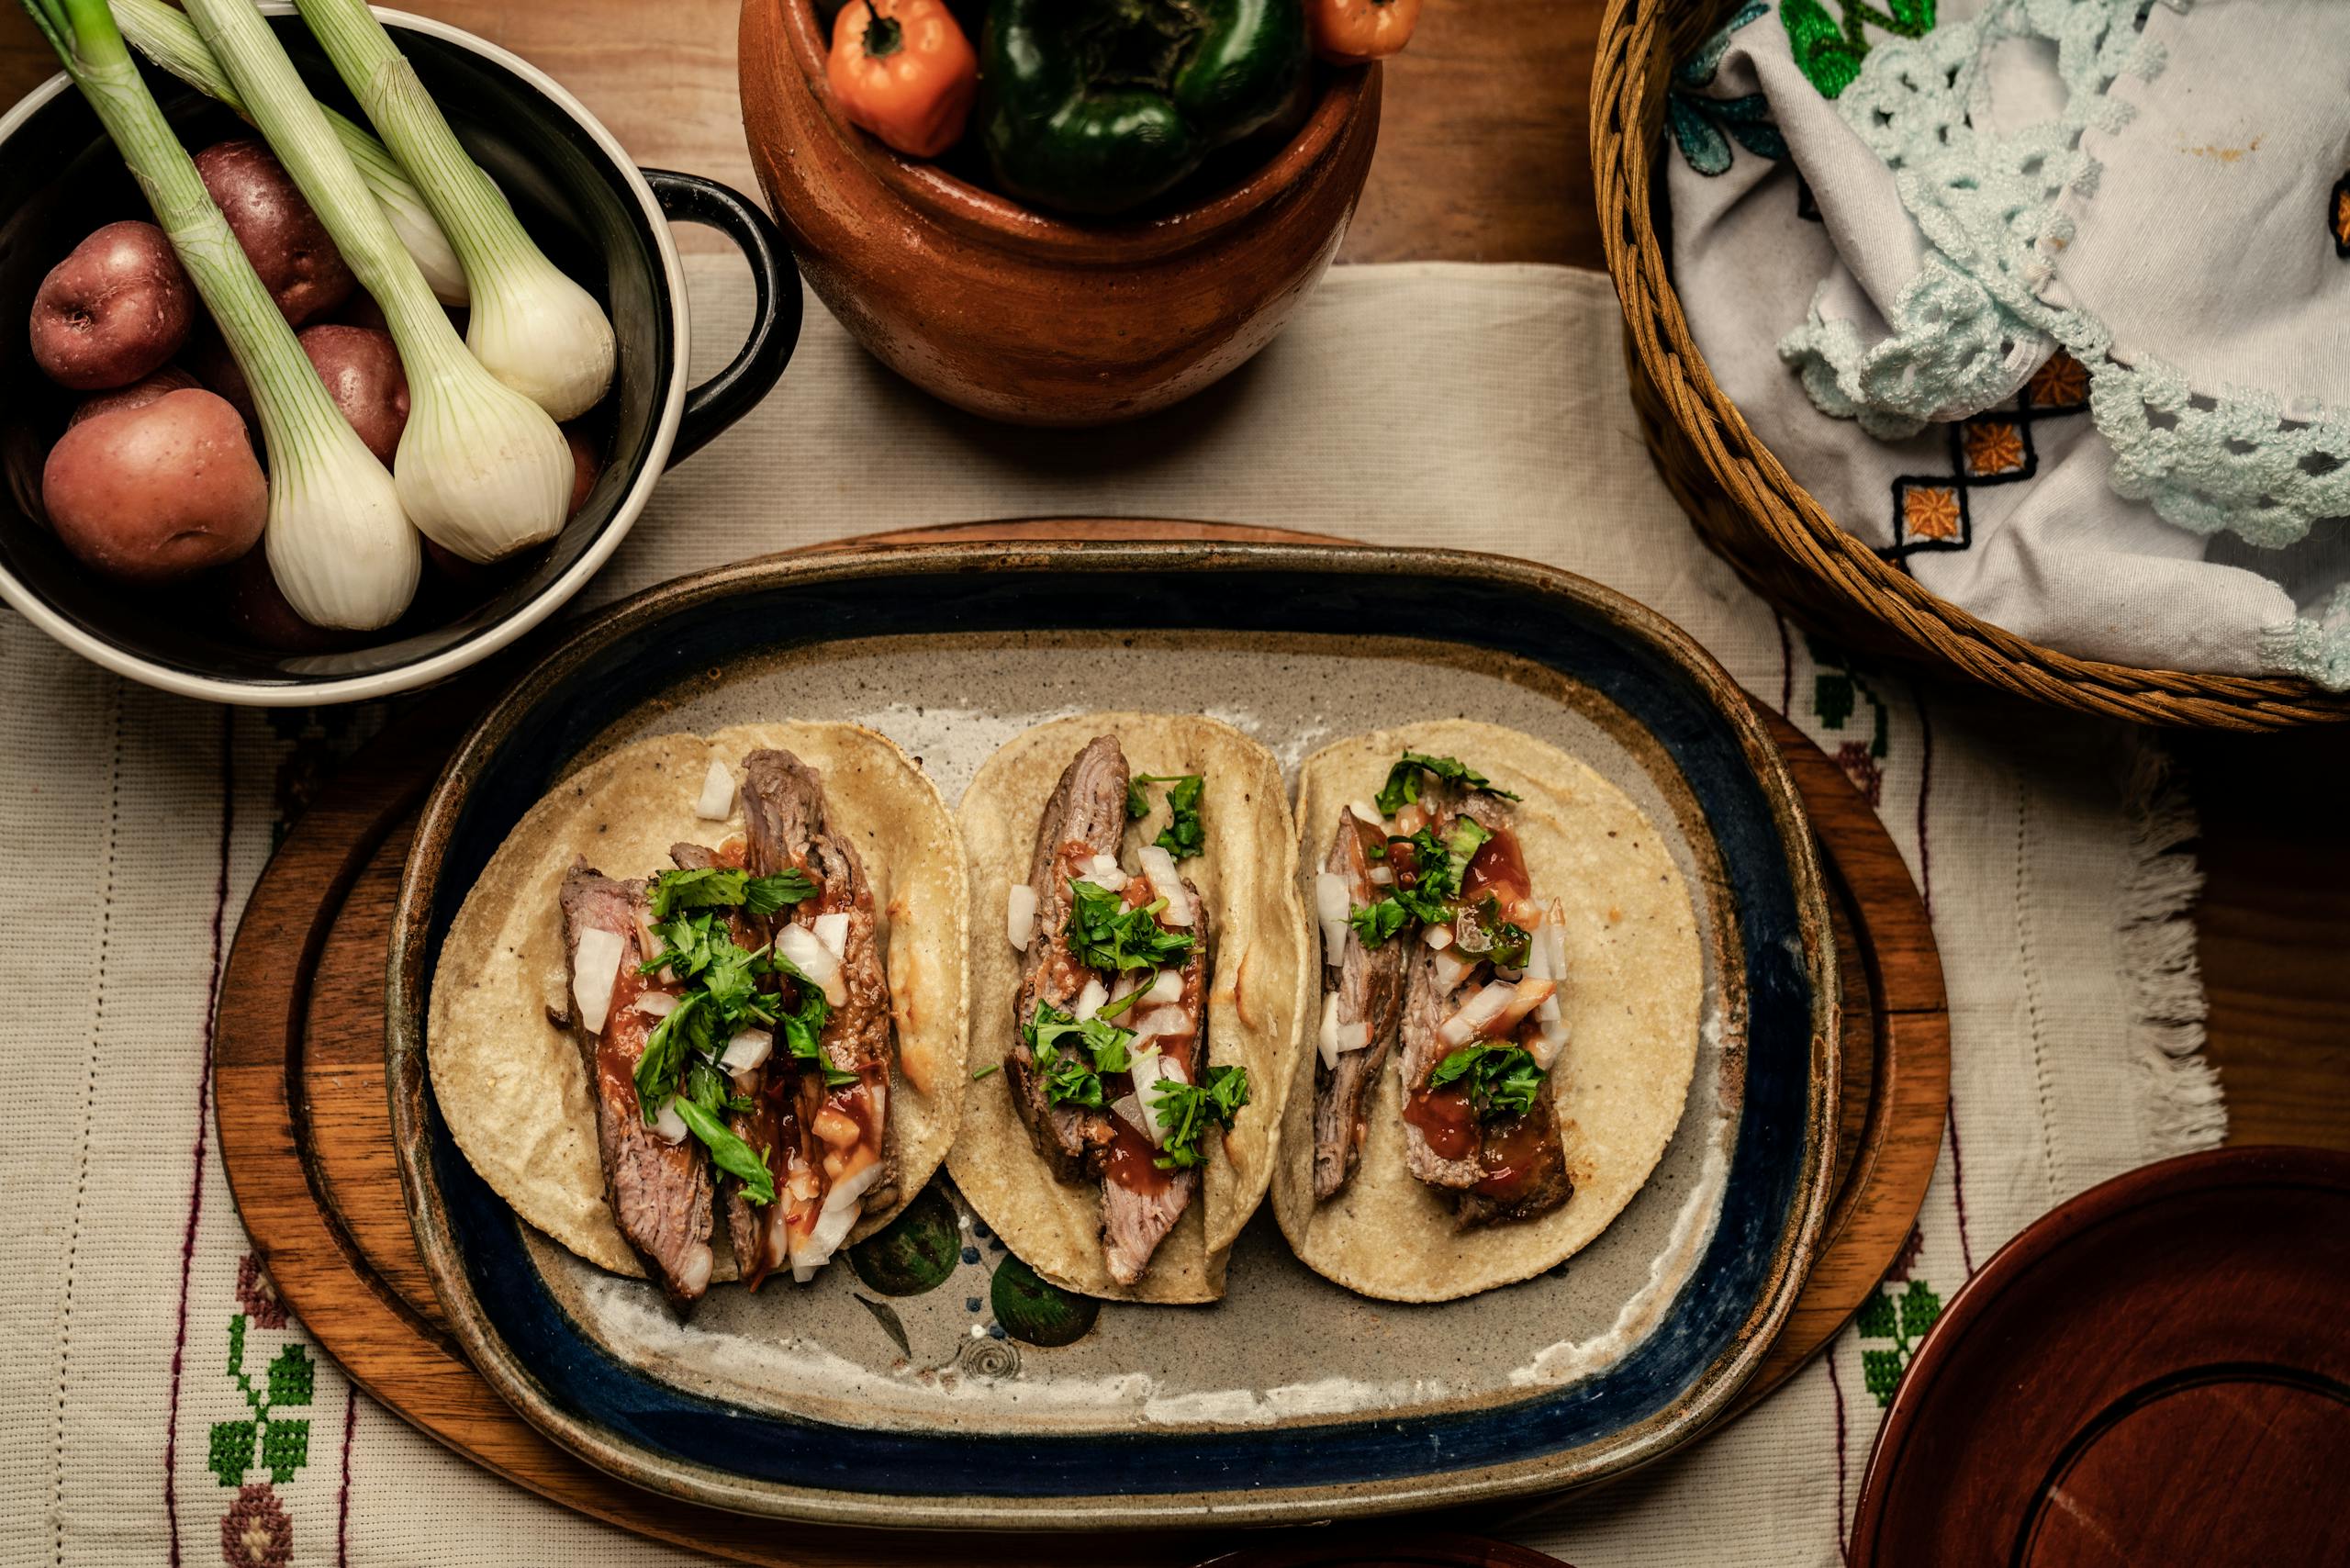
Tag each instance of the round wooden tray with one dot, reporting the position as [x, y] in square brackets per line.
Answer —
[305, 1127]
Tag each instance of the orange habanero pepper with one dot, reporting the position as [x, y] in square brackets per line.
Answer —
[1354, 32]
[903, 70]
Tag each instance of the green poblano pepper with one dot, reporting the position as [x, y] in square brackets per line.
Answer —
[1100, 107]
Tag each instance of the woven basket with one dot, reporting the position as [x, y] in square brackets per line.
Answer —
[1748, 508]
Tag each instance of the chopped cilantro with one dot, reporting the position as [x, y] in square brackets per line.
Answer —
[764, 895]
[1072, 1070]
[685, 1028]
[1439, 865]
[727, 886]
[1187, 1110]
[1402, 785]
[1106, 934]
[1183, 837]
[803, 1027]
[1503, 1078]
[1487, 933]
[1375, 923]
[729, 1153]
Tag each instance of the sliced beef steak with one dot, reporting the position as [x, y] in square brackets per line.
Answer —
[660, 1191]
[1370, 987]
[1085, 817]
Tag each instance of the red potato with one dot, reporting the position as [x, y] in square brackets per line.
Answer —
[361, 370]
[587, 467]
[153, 493]
[276, 228]
[258, 612]
[112, 311]
[138, 395]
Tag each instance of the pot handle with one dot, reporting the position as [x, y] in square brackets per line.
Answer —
[734, 391]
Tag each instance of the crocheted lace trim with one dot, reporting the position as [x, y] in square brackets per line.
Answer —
[1972, 324]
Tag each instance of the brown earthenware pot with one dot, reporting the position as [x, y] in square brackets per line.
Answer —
[1010, 313]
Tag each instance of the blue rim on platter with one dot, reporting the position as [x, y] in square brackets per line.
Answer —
[1708, 1338]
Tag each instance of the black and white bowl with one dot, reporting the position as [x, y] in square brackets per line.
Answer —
[594, 213]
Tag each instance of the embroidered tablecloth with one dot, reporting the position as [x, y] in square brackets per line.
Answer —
[157, 1406]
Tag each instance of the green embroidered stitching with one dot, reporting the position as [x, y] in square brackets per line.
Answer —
[1829, 54]
[284, 1446]
[1835, 688]
[1704, 126]
[1903, 1319]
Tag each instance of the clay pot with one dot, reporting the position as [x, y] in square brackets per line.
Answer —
[1020, 315]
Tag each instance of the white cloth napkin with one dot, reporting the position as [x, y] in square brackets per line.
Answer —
[2047, 305]
[1482, 406]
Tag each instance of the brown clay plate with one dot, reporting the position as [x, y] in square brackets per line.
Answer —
[936, 1381]
[2157, 1372]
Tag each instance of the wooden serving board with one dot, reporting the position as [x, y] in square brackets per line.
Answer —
[305, 1127]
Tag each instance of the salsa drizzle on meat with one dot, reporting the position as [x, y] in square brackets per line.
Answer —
[1108, 1065]
[1432, 933]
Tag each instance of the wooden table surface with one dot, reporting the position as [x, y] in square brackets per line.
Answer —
[1484, 156]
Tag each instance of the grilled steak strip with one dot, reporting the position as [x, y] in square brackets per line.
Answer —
[1427, 1002]
[1085, 817]
[1370, 987]
[660, 1191]
[844, 1129]
[1140, 1203]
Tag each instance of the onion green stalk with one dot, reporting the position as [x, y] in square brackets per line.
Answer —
[338, 539]
[481, 468]
[537, 331]
[166, 37]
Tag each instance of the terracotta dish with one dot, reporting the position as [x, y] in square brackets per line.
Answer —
[1005, 311]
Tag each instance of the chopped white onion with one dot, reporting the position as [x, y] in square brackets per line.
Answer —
[1538, 955]
[746, 1050]
[1354, 1036]
[1478, 1013]
[816, 960]
[1091, 1000]
[1148, 1069]
[1382, 875]
[656, 1003]
[1530, 994]
[1546, 1044]
[1552, 934]
[1367, 813]
[1438, 937]
[595, 970]
[832, 930]
[1331, 904]
[842, 1208]
[1168, 883]
[1451, 968]
[1104, 873]
[1161, 1021]
[717, 802]
[1548, 1010]
[1020, 915]
[668, 1124]
[1165, 991]
[1128, 1109]
[1327, 1037]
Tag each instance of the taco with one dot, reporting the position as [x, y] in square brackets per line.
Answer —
[702, 1016]
[1510, 984]
[1140, 971]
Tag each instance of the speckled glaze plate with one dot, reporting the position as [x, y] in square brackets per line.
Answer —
[934, 1382]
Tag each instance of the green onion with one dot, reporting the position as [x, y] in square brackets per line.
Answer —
[481, 469]
[338, 540]
[538, 331]
[170, 40]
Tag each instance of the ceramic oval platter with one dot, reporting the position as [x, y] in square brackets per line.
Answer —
[935, 1381]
